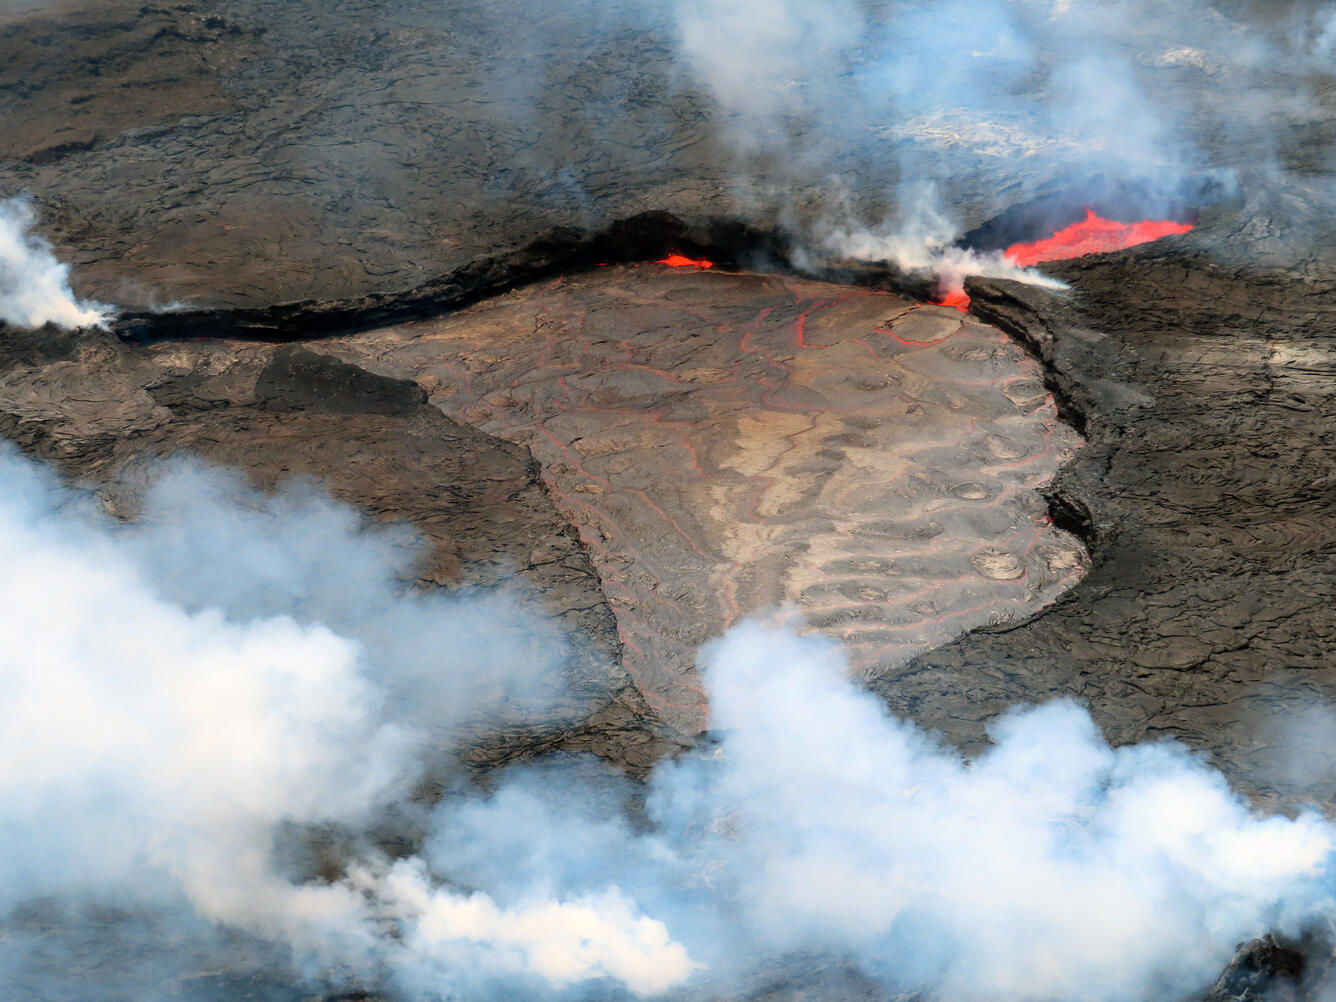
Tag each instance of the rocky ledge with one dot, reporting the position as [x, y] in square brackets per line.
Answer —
[1205, 494]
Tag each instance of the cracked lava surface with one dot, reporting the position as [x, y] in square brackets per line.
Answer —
[871, 461]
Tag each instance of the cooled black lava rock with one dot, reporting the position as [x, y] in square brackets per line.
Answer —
[299, 378]
[1261, 971]
[1206, 494]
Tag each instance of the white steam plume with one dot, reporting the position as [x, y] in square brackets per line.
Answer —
[158, 749]
[1324, 42]
[205, 538]
[919, 240]
[994, 102]
[34, 286]
[756, 55]
[1051, 867]
[598, 935]
[167, 751]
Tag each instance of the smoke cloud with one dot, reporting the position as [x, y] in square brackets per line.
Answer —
[187, 695]
[1324, 42]
[950, 110]
[757, 56]
[1049, 867]
[193, 699]
[919, 238]
[34, 286]
[442, 661]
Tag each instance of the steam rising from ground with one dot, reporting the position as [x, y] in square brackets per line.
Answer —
[192, 699]
[34, 286]
[1049, 867]
[976, 100]
[920, 239]
[182, 693]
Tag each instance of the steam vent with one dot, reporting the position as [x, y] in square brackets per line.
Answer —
[780, 501]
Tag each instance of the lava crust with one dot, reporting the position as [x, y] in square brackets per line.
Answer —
[1204, 491]
[1121, 492]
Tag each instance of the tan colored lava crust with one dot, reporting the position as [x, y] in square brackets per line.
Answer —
[730, 443]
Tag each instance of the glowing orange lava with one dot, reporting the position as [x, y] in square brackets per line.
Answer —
[954, 297]
[682, 261]
[1093, 235]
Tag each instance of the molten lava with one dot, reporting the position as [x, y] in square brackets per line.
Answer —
[682, 261]
[1092, 235]
[954, 297]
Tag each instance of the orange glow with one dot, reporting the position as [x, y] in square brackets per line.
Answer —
[1092, 235]
[956, 298]
[682, 261]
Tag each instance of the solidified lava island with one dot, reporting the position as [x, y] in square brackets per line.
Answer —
[787, 500]
[725, 444]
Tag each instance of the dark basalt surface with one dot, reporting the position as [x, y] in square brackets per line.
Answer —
[254, 152]
[1205, 492]
[103, 412]
[1263, 968]
[244, 153]
[290, 174]
[649, 235]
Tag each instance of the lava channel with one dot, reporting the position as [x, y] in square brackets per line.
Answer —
[1092, 235]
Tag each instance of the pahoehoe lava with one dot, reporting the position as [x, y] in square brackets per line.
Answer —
[350, 248]
[722, 442]
[727, 443]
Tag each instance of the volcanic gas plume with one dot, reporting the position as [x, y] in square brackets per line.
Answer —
[34, 286]
[816, 826]
[257, 739]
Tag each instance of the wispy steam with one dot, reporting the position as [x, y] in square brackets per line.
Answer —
[182, 693]
[299, 554]
[191, 700]
[985, 104]
[757, 56]
[34, 286]
[1324, 41]
[919, 238]
[451, 937]
[1050, 867]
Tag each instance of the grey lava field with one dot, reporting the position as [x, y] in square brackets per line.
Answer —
[778, 500]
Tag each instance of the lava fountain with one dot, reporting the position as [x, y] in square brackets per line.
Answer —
[955, 298]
